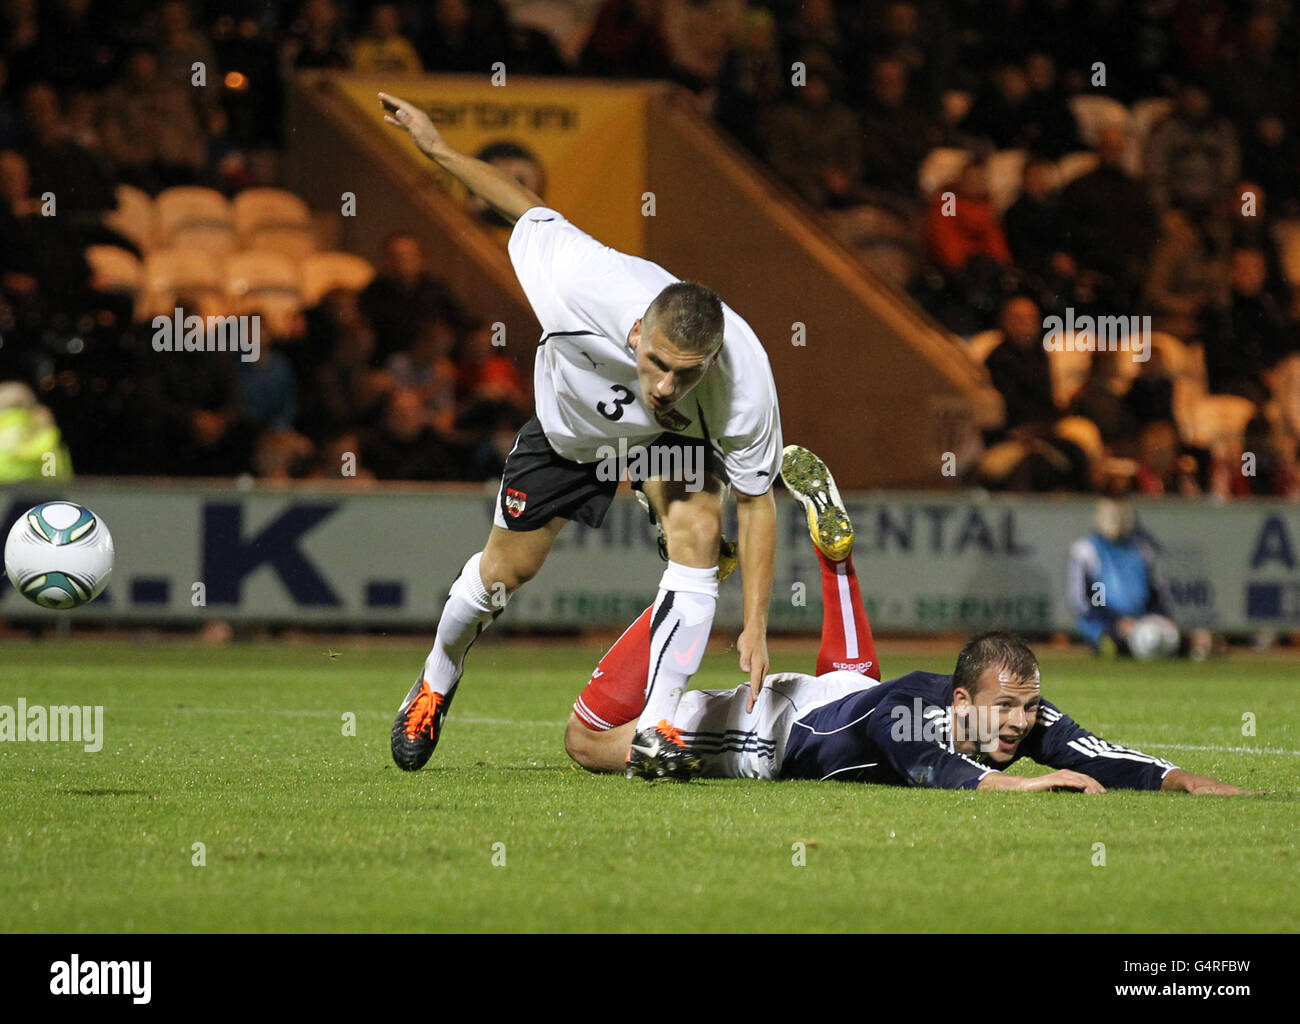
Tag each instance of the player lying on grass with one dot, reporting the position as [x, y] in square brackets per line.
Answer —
[958, 731]
[630, 357]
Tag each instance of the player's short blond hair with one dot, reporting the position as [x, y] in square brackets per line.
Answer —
[688, 314]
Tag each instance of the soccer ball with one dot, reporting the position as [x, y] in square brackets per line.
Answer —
[59, 555]
[1152, 637]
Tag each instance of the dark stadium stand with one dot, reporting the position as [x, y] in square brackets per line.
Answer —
[1155, 178]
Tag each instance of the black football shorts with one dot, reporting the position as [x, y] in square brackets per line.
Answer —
[537, 484]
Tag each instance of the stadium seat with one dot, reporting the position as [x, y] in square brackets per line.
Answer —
[1287, 235]
[1190, 386]
[295, 242]
[251, 272]
[263, 281]
[176, 270]
[325, 270]
[979, 346]
[1177, 359]
[202, 217]
[1216, 419]
[1069, 371]
[1005, 169]
[268, 207]
[1075, 165]
[134, 218]
[209, 238]
[1176, 355]
[940, 168]
[1286, 394]
[1186, 365]
[1093, 112]
[1083, 432]
[114, 269]
[1146, 114]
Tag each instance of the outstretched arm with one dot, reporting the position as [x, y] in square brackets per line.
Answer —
[1059, 741]
[756, 523]
[496, 188]
[1179, 781]
[1065, 780]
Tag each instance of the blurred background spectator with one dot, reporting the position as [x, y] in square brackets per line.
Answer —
[1160, 178]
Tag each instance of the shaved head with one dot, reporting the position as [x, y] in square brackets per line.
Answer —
[688, 315]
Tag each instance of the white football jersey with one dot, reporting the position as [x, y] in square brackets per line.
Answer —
[587, 296]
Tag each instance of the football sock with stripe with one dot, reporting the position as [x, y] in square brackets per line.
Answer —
[468, 611]
[615, 693]
[679, 632]
[847, 642]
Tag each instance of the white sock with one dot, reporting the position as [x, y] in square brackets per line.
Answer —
[679, 632]
[468, 611]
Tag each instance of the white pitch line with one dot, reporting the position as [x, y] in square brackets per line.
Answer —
[482, 720]
[1221, 750]
[476, 720]
[309, 713]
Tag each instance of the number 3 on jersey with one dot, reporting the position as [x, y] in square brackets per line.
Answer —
[614, 410]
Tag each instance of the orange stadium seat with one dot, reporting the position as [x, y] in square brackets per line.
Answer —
[297, 243]
[1093, 112]
[1287, 235]
[263, 281]
[177, 270]
[135, 217]
[1219, 419]
[268, 207]
[980, 346]
[325, 270]
[1075, 165]
[1083, 432]
[193, 217]
[1005, 168]
[114, 269]
[940, 168]
[1069, 371]
[276, 220]
[1146, 114]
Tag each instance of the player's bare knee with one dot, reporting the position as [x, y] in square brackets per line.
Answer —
[511, 559]
[505, 577]
[582, 744]
[508, 569]
[499, 575]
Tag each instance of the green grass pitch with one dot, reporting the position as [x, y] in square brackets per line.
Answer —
[243, 749]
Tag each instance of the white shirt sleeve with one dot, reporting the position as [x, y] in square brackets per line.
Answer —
[754, 458]
[569, 278]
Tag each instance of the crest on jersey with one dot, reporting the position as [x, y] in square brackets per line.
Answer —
[671, 419]
[515, 502]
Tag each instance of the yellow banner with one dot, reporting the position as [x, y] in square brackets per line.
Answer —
[586, 140]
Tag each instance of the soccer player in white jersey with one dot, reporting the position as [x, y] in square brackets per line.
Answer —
[844, 724]
[630, 356]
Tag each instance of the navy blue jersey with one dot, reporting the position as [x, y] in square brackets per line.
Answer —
[899, 733]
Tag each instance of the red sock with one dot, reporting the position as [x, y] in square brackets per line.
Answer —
[847, 642]
[616, 692]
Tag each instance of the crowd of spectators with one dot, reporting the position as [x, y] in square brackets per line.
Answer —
[397, 381]
[1079, 157]
[845, 101]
